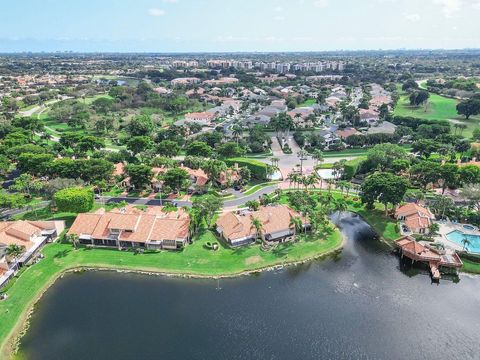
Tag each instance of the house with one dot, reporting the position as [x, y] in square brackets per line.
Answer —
[184, 81]
[414, 218]
[346, 133]
[203, 118]
[237, 229]
[31, 235]
[230, 176]
[369, 115]
[221, 81]
[386, 127]
[129, 227]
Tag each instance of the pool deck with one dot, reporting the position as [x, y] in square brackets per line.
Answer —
[446, 227]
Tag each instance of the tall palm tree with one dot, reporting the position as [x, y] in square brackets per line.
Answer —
[466, 242]
[257, 224]
[318, 156]
[302, 155]
[74, 239]
[237, 132]
[14, 251]
[297, 224]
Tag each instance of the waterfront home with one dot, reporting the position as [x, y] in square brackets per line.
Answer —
[435, 258]
[237, 227]
[130, 227]
[30, 235]
[414, 218]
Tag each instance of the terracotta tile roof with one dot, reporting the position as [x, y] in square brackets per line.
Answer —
[22, 232]
[345, 133]
[135, 225]
[273, 218]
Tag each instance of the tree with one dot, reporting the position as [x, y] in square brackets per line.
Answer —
[382, 156]
[168, 148]
[433, 230]
[297, 224]
[419, 97]
[35, 164]
[252, 205]
[138, 144]
[199, 148]
[213, 168]
[176, 178]
[469, 174]
[74, 239]
[425, 173]
[472, 193]
[385, 188]
[230, 149]
[469, 107]
[258, 226]
[207, 206]
[237, 132]
[466, 242]
[13, 251]
[318, 156]
[141, 125]
[409, 85]
[74, 200]
[140, 175]
[302, 156]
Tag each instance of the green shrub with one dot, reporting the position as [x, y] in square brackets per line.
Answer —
[75, 200]
[351, 167]
[257, 168]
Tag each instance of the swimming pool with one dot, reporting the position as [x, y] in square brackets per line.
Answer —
[457, 237]
[469, 227]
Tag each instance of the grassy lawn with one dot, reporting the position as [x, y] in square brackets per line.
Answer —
[353, 152]
[195, 259]
[257, 187]
[308, 102]
[470, 266]
[438, 108]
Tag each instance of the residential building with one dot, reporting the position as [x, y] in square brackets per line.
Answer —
[130, 227]
[414, 218]
[237, 229]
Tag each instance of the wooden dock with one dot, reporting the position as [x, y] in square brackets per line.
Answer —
[436, 259]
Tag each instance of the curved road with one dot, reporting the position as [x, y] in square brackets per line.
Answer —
[157, 202]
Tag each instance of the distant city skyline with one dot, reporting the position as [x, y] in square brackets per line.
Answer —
[241, 26]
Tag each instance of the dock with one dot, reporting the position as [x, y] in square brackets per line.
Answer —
[434, 258]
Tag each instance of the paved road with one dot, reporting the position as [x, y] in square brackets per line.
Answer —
[157, 202]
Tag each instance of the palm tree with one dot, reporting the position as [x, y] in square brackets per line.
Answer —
[340, 205]
[318, 156]
[433, 230]
[237, 132]
[297, 224]
[302, 155]
[466, 242]
[13, 251]
[74, 239]
[257, 224]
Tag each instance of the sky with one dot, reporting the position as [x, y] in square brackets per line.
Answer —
[237, 26]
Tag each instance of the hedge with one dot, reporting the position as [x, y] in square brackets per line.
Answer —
[76, 200]
[351, 167]
[257, 168]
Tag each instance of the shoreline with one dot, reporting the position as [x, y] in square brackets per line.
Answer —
[10, 346]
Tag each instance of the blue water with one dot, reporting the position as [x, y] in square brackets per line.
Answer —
[457, 236]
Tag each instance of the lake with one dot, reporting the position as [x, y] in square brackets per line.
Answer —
[359, 305]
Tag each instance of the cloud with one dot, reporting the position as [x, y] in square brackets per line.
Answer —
[170, 1]
[449, 7]
[321, 3]
[413, 17]
[156, 12]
